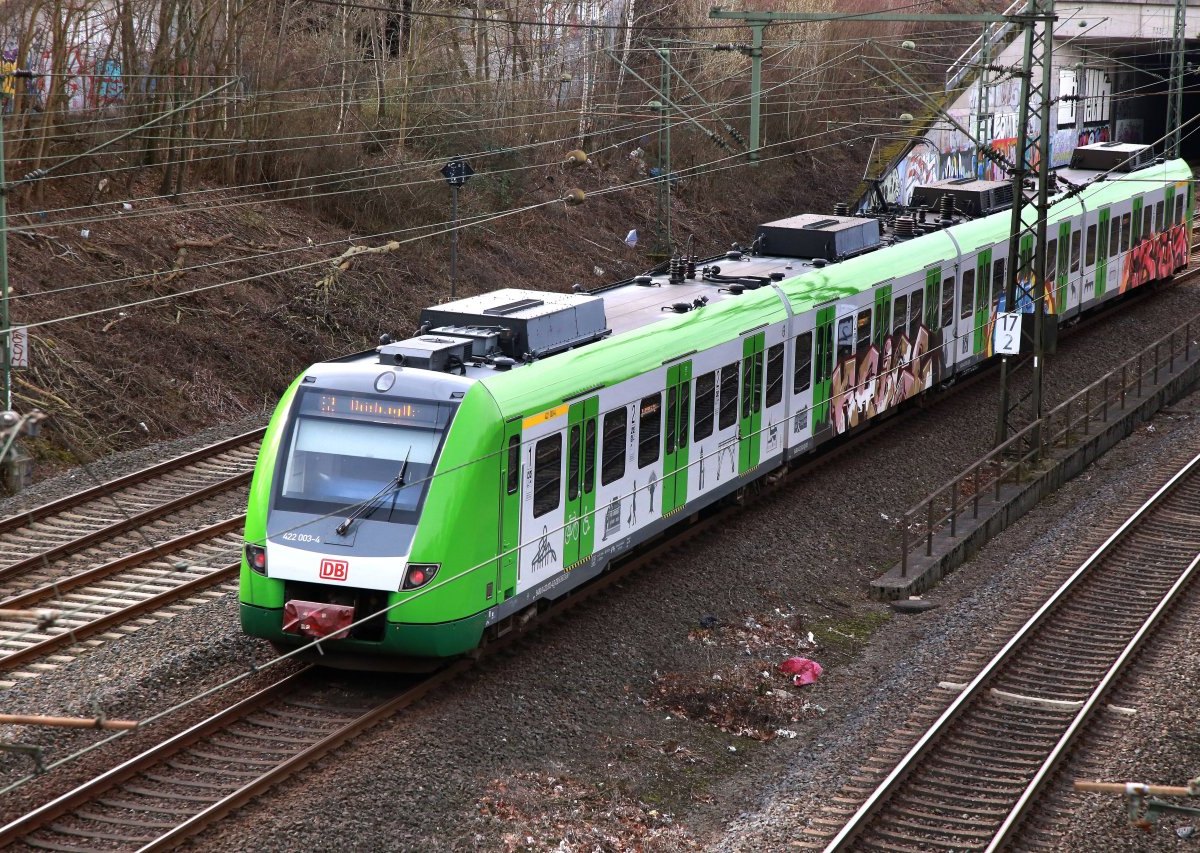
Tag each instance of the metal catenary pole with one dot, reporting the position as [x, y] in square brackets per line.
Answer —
[1175, 91]
[664, 154]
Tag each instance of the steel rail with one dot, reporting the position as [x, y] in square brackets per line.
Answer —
[974, 689]
[22, 519]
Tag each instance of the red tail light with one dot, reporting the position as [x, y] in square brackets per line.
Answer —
[256, 556]
[419, 574]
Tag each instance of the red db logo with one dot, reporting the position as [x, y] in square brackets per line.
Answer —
[334, 570]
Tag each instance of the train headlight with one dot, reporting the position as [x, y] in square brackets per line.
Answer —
[256, 556]
[419, 574]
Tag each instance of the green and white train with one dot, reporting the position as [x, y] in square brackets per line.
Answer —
[414, 500]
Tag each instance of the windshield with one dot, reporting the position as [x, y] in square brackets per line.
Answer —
[344, 449]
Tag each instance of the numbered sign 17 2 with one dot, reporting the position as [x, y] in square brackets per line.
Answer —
[1006, 338]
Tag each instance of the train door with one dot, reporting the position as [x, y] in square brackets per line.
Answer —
[675, 437]
[983, 302]
[1102, 252]
[964, 333]
[1063, 268]
[580, 515]
[750, 424]
[823, 370]
[510, 512]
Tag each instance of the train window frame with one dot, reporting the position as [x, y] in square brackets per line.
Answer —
[1126, 228]
[1147, 221]
[514, 465]
[774, 375]
[899, 312]
[967, 295]
[1089, 256]
[948, 301]
[916, 307]
[589, 456]
[729, 383]
[706, 406]
[997, 281]
[1179, 211]
[615, 443]
[1159, 221]
[649, 429]
[547, 474]
[803, 361]
[1114, 237]
[1076, 241]
[574, 460]
[1051, 260]
[845, 337]
[862, 332]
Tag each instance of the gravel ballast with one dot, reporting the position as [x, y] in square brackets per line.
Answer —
[570, 739]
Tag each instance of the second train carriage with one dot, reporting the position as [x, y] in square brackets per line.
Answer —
[409, 499]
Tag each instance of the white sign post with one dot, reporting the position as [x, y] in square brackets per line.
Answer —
[1006, 336]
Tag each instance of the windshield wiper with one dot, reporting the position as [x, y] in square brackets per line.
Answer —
[393, 487]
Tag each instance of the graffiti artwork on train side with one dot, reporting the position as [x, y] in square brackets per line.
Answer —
[1158, 255]
[884, 375]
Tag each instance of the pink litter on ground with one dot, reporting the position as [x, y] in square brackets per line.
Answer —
[802, 670]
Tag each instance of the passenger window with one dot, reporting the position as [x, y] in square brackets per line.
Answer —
[612, 463]
[1158, 216]
[672, 414]
[1178, 209]
[547, 474]
[947, 302]
[1052, 259]
[758, 381]
[997, 282]
[589, 456]
[1147, 219]
[775, 374]
[862, 338]
[1114, 237]
[573, 463]
[1090, 257]
[706, 393]
[514, 464]
[967, 294]
[899, 312]
[729, 396]
[649, 429]
[915, 302]
[1126, 221]
[845, 342]
[1075, 251]
[802, 378]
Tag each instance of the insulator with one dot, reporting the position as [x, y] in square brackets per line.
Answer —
[690, 268]
[576, 158]
[575, 197]
[675, 270]
[946, 206]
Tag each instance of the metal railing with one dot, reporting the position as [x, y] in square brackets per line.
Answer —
[995, 32]
[1066, 425]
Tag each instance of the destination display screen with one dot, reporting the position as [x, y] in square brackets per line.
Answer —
[361, 407]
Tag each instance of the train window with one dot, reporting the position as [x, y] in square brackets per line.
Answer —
[948, 301]
[862, 338]
[649, 429]
[1125, 226]
[1052, 259]
[1114, 237]
[672, 415]
[747, 386]
[612, 462]
[1178, 209]
[775, 375]
[967, 294]
[706, 393]
[1090, 256]
[589, 456]
[729, 396]
[899, 313]
[1074, 251]
[915, 304]
[514, 464]
[758, 381]
[997, 282]
[685, 412]
[802, 378]
[845, 340]
[547, 474]
[1147, 221]
[576, 436]
[1158, 217]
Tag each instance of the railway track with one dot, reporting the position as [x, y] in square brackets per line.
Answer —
[108, 560]
[970, 779]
